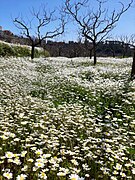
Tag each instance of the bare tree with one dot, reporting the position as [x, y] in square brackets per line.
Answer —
[114, 46]
[132, 44]
[95, 26]
[133, 66]
[125, 43]
[34, 29]
[129, 41]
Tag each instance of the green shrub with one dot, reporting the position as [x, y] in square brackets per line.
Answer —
[6, 50]
[20, 51]
[45, 53]
[1, 50]
[41, 53]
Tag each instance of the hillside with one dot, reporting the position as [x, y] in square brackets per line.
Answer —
[18, 50]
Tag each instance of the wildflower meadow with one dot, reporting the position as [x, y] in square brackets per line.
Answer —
[65, 119]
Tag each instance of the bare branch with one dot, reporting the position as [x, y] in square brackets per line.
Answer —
[97, 25]
[20, 24]
[42, 19]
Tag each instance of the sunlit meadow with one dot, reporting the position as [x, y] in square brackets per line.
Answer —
[65, 119]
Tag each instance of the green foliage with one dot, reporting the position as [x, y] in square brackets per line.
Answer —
[72, 93]
[20, 51]
[6, 50]
[41, 53]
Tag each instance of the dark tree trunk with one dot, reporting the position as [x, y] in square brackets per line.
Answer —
[90, 53]
[59, 51]
[124, 54]
[125, 51]
[113, 54]
[133, 67]
[95, 58]
[32, 51]
[94, 53]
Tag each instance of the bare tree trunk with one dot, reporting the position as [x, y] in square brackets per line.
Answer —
[59, 51]
[32, 51]
[95, 58]
[94, 53]
[123, 56]
[90, 53]
[133, 67]
[113, 54]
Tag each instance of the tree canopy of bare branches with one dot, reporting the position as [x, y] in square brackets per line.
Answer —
[95, 25]
[125, 43]
[40, 27]
[129, 41]
[132, 43]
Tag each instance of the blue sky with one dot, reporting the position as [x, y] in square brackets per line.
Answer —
[12, 8]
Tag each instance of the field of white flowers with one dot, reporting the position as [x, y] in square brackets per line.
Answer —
[65, 119]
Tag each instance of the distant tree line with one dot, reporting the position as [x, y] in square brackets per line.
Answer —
[71, 49]
[84, 49]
